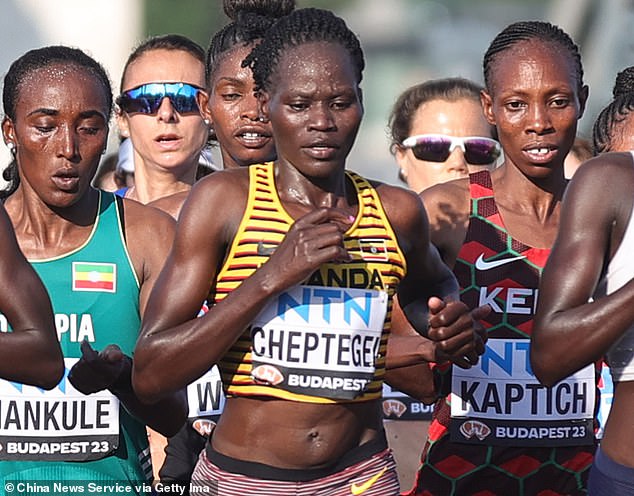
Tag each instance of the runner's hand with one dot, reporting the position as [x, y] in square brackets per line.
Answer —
[457, 333]
[98, 371]
[314, 239]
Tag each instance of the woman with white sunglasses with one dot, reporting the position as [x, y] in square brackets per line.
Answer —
[435, 128]
[438, 133]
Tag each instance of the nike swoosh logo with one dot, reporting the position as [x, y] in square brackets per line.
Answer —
[265, 251]
[482, 264]
[354, 489]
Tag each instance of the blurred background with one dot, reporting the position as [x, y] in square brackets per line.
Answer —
[405, 42]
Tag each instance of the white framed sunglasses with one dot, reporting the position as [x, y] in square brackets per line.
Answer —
[478, 150]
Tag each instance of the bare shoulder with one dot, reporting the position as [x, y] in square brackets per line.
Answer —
[224, 192]
[603, 186]
[612, 168]
[171, 204]
[145, 223]
[396, 200]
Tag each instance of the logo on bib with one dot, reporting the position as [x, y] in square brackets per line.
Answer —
[472, 428]
[267, 374]
[394, 407]
[203, 426]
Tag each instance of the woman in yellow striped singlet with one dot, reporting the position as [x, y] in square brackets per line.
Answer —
[299, 260]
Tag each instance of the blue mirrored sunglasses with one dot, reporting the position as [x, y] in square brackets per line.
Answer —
[147, 98]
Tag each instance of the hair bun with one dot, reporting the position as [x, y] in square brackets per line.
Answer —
[268, 8]
[624, 82]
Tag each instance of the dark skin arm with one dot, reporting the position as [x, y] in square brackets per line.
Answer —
[409, 354]
[175, 347]
[110, 368]
[590, 230]
[447, 207]
[31, 353]
[429, 298]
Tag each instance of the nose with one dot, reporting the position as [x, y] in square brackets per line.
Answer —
[321, 118]
[166, 111]
[68, 145]
[249, 107]
[456, 162]
[539, 119]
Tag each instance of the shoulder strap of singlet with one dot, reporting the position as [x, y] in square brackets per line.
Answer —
[369, 197]
[480, 184]
[119, 200]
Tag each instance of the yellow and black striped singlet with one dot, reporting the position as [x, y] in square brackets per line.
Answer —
[377, 264]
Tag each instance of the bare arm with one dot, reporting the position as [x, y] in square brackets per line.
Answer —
[428, 294]
[591, 227]
[408, 357]
[31, 353]
[175, 347]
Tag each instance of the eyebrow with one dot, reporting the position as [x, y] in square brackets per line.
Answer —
[84, 115]
[229, 79]
[43, 110]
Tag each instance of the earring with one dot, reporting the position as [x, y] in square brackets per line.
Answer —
[11, 147]
[206, 121]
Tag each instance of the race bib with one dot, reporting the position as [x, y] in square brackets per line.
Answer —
[62, 424]
[499, 401]
[319, 341]
[205, 395]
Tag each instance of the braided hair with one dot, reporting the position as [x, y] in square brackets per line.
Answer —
[251, 19]
[526, 31]
[300, 27]
[19, 74]
[607, 125]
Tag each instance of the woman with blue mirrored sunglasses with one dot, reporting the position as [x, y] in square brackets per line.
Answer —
[158, 110]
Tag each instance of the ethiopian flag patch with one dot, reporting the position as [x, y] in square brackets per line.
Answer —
[94, 276]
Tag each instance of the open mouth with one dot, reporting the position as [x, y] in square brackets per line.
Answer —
[540, 153]
[253, 139]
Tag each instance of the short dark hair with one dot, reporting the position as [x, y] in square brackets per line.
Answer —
[541, 31]
[300, 27]
[38, 58]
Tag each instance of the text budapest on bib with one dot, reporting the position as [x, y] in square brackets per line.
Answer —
[499, 401]
[319, 341]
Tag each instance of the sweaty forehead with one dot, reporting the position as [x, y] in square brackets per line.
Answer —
[58, 85]
[321, 62]
[526, 59]
[55, 73]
